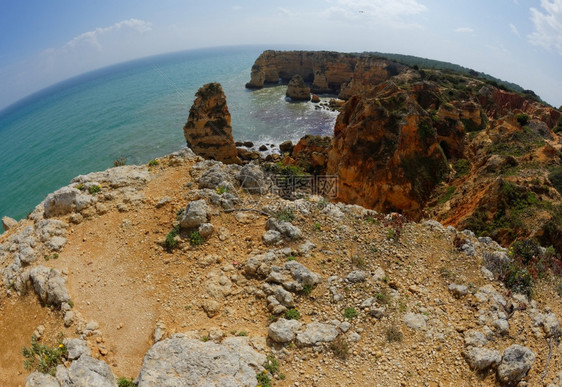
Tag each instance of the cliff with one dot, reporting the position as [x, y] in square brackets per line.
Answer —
[187, 268]
[326, 71]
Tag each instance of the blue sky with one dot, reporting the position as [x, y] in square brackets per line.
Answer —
[44, 42]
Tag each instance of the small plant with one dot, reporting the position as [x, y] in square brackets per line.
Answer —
[306, 290]
[383, 297]
[70, 303]
[120, 161]
[358, 261]
[94, 189]
[80, 187]
[391, 234]
[221, 190]
[205, 339]
[285, 215]
[195, 239]
[271, 364]
[317, 226]
[55, 256]
[43, 358]
[394, 334]
[125, 382]
[350, 313]
[340, 347]
[264, 379]
[291, 258]
[171, 242]
[242, 333]
[322, 203]
[559, 289]
[447, 195]
[153, 163]
[462, 167]
[292, 314]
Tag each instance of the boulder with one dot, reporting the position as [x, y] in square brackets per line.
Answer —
[49, 285]
[515, 363]
[196, 213]
[415, 321]
[65, 201]
[8, 223]
[286, 146]
[481, 359]
[287, 229]
[86, 371]
[208, 131]
[316, 333]
[181, 361]
[38, 379]
[283, 331]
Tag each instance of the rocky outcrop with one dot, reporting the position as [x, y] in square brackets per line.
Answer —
[208, 131]
[297, 89]
[187, 362]
[328, 72]
[385, 152]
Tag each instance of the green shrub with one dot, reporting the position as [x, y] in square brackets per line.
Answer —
[120, 161]
[292, 314]
[285, 214]
[340, 347]
[462, 167]
[42, 358]
[263, 379]
[171, 242]
[94, 189]
[350, 313]
[153, 163]
[195, 239]
[125, 382]
[555, 177]
[518, 279]
[394, 334]
[447, 195]
[522, 118]
[271, 364]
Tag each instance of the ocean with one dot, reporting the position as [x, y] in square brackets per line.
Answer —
[135, 110]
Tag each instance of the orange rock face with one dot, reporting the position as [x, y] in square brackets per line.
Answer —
[329, 72]
[208, 131]
[386, 152]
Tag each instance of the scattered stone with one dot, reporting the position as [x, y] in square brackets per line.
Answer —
[551, 326]
[286, 147]
[515, 363]
[162, 202]
[379, 274]
[287, 229]
[69, 318]
[481, 359]
[377, 312]
[49, 285]
[39, 379]
[356, 276]
[38, 332]
[86, 371]
[271, 237]
[252, 179]
[415, 321]
[212, 308]
[473, 338]
[206, 230]
[501, 326]
[283, 331]
[159, 331]
[215, 333]
[458, 291]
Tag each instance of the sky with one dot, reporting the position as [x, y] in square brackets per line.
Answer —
[44, 42]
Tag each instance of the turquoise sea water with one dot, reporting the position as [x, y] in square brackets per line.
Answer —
[136, 110]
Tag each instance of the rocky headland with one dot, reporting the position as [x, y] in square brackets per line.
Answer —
[195, 270]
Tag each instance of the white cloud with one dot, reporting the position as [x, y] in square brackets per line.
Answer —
[91, 38]
[464, 29]
[286, 12]
[514, 29]
[548, 25]
[375, 9]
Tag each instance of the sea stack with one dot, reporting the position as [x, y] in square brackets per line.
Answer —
[208, 131]
[297, 89]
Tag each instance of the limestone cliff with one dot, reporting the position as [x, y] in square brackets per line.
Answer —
[328, 72]
[208, 131]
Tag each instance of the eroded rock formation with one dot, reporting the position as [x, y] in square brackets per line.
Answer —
[328, 72]
[297, 89]
[208, 131]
